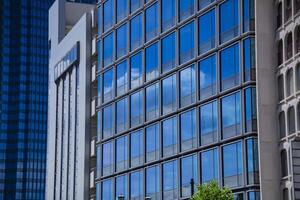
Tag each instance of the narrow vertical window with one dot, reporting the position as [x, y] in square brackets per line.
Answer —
[209, 123]
[229, 20]
[107, 161]
[169, 132]
[108, 16]
[279, 53]
[136, 185]
[152, 143]
[207, 32]
[122, 78]
[248, 15]
[136, 68]
[121, 154]
[170, 182]
[280, 85]
[152, 183]
[108, 85]
[168, 52]
[189, 173]
[121, 117]
[122, 41]
[151, 22]
[121, 187]
[136, 108]
[152, 102]
[169, 94]
[249, 59]
[250, 109]
[107, 189]
[279, 15]
[108, 54]
[291, 120]
[208, 77]
[282, 131]
[297, 40]
[288, 10]
[135, 4]
[136, 30]
[289, 82]
[252, 161]
[151, 62]
[284, 164]
[187, 86]
[137, 147]
[289, 46]
[122, 9]
[209, 160]
[188, 130]
[168, 14]
[108, 121]
[186, 9]
[186, 43]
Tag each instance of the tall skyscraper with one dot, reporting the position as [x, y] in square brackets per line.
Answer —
[23, 98]
[188, 91]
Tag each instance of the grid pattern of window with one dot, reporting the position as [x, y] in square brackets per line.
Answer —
[181, 96]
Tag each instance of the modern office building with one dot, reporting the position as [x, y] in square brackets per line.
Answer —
[187, 91]
[23, 98]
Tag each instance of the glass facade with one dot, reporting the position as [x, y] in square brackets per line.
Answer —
[184, 95]
[23, 98]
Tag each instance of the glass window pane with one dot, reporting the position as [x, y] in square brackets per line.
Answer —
[122, 9]
[108, 45]
[168, 14]
[168, 52]
[208, 77]
[170, 182]
[186, 42]
[249, 15]
[136, 34]
[122, 78]
[189, 171]
[187, 86]
[152, 143]
[108, 85]
[136, 186]
[107, 189]
[152, 183]
[151, 22]
[249, 59]
[229, 20]
[186, 9]
[122, 155]
[238, 196]
[250, 108]
[204, 3]
[108, 17]
[188, 130]
[231, 116]
[136, 70]
[169, 94]
[252, 161]
[137, 155]
[254, 195]
[230, 67]
[152, 102]
[136, 109]
[151, 62]
[169, 131]
[107, 155]
[108, 121]
[209, 166]
[122, 187]
[207, 32]
[209, 123]
[121, 117]
[122, 41]
[233, 165]
[135, 4]
[99, 59]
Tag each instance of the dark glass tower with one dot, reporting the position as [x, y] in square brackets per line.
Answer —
[23, 98]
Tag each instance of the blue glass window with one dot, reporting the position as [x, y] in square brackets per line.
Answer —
[135, 4]
[208, 77]
[122, 187]
[137, 146]
[169, 132]
[108, 121]
[231, 115]
[99, 161]
[188, 130]
[249, 59]
[122, 78]
[121, 117]
[252, 161]
[209, 123]
[99, 59]
[136, 67]
[230, 67]
[248, 15]
[107, 189]
[229, 20]
[169, 94]
[186, 9]
[100, 15]
[152, 102]
[233, 165]
[186, 42]
[136, 34]
[151, 22]
[152, 183]
[99, 90]
[187, 86]
[204, 3]
[170, 181]
[250, 108]
[136, 185]
[122, 9]
[152, 142]
[168, 14]
[107, 155]
[122, 155]
[207, 31]
[168, 52]
[108, 85]
[189, 171]
[136, 108]
[151, 62]
[108, 45]
[108, 16]
[209, 166]
[122, 41]
[254, 195]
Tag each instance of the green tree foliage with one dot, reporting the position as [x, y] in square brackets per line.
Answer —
[212, 191]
